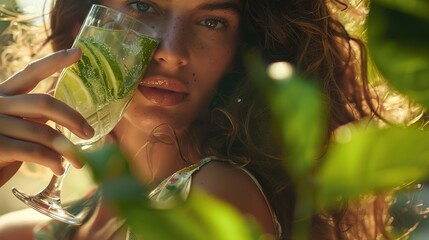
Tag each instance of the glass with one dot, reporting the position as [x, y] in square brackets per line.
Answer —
[116, 50]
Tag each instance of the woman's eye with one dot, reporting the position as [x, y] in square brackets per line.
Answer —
[213, 23]
[142, 7]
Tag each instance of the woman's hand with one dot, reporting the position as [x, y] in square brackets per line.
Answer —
[24, 135]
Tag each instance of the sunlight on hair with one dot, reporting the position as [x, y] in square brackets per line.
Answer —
[280, 71]
[22, 37]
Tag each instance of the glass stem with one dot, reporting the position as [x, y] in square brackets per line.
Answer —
[53, 190]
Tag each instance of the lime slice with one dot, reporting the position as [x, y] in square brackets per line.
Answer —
[147, 46]
[108, 66]
[89, 70]
[73, 91]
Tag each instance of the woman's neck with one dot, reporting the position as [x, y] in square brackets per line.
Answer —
[152, 156]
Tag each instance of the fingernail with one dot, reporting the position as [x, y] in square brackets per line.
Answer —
[79, 165]
[72, 50]
[61, 172]
[88, 130]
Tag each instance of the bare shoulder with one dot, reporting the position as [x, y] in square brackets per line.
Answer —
[19, 224]
[234, 186]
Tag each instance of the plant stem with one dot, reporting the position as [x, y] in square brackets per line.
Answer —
[303, 212]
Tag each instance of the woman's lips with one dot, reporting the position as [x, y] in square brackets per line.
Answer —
[163, 91]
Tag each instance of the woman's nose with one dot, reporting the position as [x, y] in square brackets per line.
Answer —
[173, 50]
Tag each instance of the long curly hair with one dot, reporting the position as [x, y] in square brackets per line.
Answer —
[309, 35]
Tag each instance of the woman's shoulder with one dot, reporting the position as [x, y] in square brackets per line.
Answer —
[20, 224]
[228, 182]
[236, 186]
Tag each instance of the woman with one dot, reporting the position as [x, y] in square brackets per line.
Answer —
[215, 112]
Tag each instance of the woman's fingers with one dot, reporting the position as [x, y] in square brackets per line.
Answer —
[26, 79]
[22, 151]
[44, 106]
[23, 136]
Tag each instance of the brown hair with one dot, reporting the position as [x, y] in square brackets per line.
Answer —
[65, 19]
[308, 35]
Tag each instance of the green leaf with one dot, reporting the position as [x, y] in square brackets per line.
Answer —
[298, 106]
[398, 37]
[418, 8]
[371, 160]
[199, 217]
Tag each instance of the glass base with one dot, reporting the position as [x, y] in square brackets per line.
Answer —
[48, 206]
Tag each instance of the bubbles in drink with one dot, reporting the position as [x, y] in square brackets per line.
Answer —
[101, 84]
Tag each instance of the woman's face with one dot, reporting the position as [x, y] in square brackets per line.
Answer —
[198, 44]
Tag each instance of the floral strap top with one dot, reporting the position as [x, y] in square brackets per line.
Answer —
[178, 183]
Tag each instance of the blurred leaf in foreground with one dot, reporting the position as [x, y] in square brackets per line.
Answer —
[398, 39]
[365, 161]
[199, 217]
[299, 109]
[300, 113]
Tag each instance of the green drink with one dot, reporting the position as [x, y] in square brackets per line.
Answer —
[101, 84]
[116, 50]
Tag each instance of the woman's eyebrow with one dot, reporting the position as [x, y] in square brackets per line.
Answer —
[221, 6]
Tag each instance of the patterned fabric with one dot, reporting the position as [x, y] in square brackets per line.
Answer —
[177, 185]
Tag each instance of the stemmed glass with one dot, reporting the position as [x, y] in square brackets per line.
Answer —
[116, 50]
